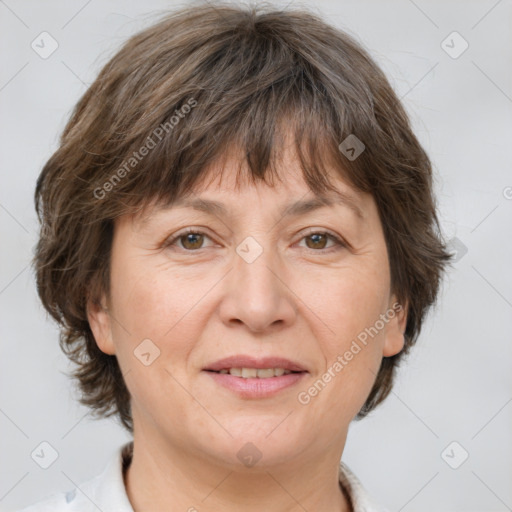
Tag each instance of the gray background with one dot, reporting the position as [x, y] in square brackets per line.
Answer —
[457, 383]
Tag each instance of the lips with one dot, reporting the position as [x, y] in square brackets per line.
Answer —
[260, 363]
[256, 378]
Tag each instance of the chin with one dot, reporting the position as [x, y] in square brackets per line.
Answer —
[261, 446]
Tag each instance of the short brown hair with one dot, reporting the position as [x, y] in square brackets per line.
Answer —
[243, 72]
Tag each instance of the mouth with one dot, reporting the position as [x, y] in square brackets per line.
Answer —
[248, 377]
[254, 373]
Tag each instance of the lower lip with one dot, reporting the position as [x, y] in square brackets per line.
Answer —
[255, 387]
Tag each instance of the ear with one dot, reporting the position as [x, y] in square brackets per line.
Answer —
[99, 321]
[394, 340]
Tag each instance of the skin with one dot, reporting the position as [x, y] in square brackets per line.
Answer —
[199, 301]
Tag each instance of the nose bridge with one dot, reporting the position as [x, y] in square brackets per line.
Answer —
[252, 265]
[259, 297]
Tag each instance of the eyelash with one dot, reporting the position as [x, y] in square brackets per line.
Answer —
[340, 244]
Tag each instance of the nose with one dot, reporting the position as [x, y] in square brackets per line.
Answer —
[257, 294]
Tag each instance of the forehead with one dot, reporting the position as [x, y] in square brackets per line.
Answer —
[227, 188]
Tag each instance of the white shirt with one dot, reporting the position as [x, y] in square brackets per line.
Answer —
[107, 492]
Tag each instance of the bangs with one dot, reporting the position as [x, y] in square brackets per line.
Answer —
[257, 153]
[273, 103]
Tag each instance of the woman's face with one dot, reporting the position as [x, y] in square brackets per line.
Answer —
[256, 278]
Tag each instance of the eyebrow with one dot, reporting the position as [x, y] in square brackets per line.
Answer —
[295, 209]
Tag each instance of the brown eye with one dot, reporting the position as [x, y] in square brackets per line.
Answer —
[192, 240]
[318, 241]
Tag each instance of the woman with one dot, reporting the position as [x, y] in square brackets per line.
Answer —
[240, 242]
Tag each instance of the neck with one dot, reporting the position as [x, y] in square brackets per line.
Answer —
[167, 478]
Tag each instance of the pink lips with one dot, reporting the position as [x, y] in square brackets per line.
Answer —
[255, 387]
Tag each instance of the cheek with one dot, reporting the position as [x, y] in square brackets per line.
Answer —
[346, 309]
[350, 301]
[149, 301]
[157, 304]
[152, 306]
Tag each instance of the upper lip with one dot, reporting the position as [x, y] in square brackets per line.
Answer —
[245, 361]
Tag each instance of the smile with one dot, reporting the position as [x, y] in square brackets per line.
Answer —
[250, 373]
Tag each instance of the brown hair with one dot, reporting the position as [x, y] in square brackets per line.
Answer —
[201, 81]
